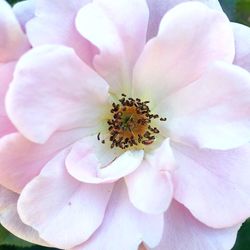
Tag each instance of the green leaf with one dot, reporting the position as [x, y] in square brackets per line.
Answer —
[243, 238]
[8, 239]
[243, 11]
[12, 2]
[237, 10]
[229, 6]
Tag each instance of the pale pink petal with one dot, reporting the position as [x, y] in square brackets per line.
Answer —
[150, 187]
[157, 9]
[242, 45]
[55, 24]
[218, 116]
[183, 232]
[191, 36]
[213, 185]
[11, 221]
[124, 227]
[22, 160]
[24, 11]
[13, 42]
[54, 90]
[118, 29]
[93, 162]
[66, 212]
[6, 74]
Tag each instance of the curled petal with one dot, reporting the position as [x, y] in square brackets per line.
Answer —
[92, 162]
[43, 98]
[157, 9]
[213, 184]
[25, 159]
[178, 56]
[219, 115]
[118, 30]
[69, 211]
[150, 187]
[125, 227]
[183, 231]
[54, 23]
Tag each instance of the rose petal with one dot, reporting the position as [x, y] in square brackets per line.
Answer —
[242, 44]
[120, 39]
[6, 74]
[177, 57]
[43, 98]
[92, 162]
[213, 185]
[69, 211]
[150, 187]
[157, 9]
[24, 11]
[54, 24]
[13, 42]
[182, 231]
[11, 221]
[219, 115]
[22, 160]
[124, 227]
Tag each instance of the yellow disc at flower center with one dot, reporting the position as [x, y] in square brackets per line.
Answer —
[133, 123]
[130, 123]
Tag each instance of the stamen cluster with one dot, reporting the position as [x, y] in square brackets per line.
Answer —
[130, 124]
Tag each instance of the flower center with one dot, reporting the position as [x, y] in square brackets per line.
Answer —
[130, 123]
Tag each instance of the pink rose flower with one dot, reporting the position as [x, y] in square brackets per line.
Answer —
[125, 134]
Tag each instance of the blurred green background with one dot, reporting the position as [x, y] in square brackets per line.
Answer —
[237, 11]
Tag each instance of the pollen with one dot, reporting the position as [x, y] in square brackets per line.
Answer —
[131, 124]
